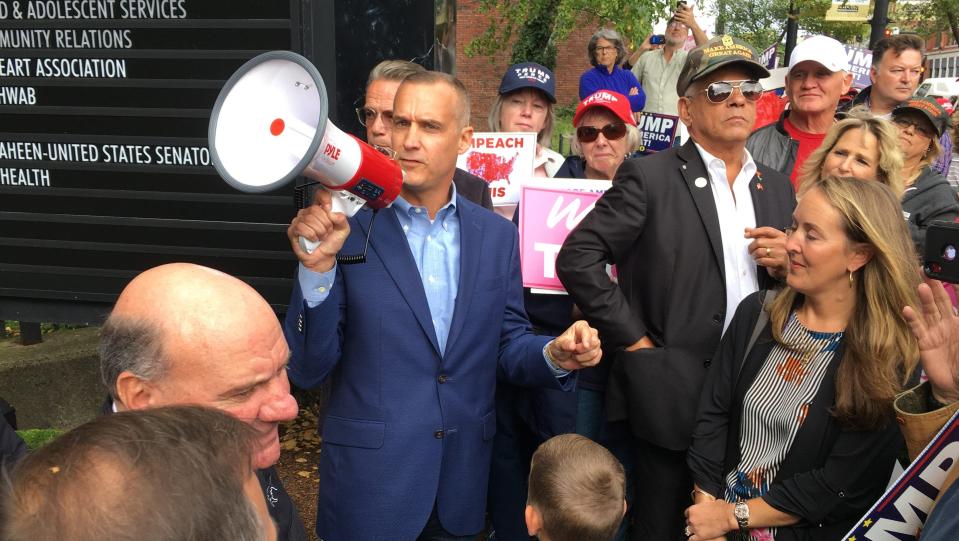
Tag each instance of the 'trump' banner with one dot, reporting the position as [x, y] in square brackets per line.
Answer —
[657, 132]
[901, 512]
[768, 57]
[502, 160]
[860, 60]
[549, 210]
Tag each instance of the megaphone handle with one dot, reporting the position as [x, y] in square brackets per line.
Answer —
[343, 202]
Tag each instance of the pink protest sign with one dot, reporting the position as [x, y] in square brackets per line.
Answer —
[549, 210]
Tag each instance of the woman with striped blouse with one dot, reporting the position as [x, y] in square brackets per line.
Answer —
[796, 436]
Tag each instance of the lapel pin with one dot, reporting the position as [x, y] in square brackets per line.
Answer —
[759, 186]
[700, 182]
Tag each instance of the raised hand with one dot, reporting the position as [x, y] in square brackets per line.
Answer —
[937, 330]
[315, 223]
[768, 249]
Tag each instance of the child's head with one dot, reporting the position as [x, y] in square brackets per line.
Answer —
[577, 491]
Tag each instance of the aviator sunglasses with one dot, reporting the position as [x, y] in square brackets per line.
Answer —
[720, 91]
[612, 132]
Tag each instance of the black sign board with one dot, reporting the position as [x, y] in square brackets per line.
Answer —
[104, 165]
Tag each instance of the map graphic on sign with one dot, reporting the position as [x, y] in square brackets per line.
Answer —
[502, 159]
[487, 165]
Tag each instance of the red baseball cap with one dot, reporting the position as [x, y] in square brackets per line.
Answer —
[615, 102]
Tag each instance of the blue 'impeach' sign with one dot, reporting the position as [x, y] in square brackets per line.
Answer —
[656, 132]
[901, 512]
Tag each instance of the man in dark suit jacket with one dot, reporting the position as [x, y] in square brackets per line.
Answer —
[185, 334]
[416, 337]
[673, 224]
[376, 116]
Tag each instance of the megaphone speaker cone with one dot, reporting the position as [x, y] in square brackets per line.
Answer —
[268, 120]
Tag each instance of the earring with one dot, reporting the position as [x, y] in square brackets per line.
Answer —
[850, 280]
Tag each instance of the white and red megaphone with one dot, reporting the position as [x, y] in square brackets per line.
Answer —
[269, 125]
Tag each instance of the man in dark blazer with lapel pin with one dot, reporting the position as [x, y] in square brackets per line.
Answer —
[416, 337]
[691, 230]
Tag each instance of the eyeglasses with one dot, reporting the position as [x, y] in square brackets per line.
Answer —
[605, 49]
[918, 125]
[677, 24]
[720, 91]
[368, 115]
[612, 132]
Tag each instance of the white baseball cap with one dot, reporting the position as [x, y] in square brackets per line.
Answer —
[822, 50]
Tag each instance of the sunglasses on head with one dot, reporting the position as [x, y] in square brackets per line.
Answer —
[720, 91]
[612, 132]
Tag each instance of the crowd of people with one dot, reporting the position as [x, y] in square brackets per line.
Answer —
[754, 367]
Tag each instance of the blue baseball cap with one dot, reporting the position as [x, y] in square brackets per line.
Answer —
[529, 75]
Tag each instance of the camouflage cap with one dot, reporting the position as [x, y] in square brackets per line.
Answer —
[718, 52]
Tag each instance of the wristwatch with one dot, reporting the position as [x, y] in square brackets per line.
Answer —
[742, 515]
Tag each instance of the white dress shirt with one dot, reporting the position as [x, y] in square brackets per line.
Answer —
[734, 205]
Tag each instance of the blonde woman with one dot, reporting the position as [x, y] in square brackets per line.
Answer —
[524, 103]
[863, 146]
[796, 435]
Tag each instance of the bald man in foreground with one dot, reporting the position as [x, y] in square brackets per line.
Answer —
[186, 334]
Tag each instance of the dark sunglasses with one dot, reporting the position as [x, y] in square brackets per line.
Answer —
[612, 132]
[720, 91]
[918, 125]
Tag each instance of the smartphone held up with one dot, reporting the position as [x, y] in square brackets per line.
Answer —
[940, 259]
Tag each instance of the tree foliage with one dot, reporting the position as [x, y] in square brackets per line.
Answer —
[763, 23]
[538, 25]
[930, 17]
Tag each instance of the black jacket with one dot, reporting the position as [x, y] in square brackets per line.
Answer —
[473, 188]
[929, 198]
[829, 477]
[659, 225]
[12, 447]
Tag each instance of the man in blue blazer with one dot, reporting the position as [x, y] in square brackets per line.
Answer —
[416, 337]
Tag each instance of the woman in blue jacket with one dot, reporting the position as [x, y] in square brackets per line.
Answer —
[606, 53]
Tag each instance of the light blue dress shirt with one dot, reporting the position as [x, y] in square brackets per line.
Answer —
[435, 245]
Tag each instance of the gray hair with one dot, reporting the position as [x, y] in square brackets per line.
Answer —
[438, 77]
[166, 474]
[633, 138]
[393, 70]
[130, 345]
[545, 136]
[611, 36]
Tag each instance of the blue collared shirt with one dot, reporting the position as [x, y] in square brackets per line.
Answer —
[435, 245]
